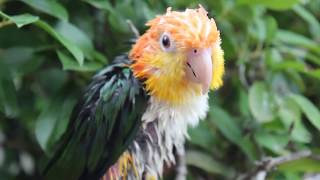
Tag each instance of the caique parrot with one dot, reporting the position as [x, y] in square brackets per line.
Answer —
[135, 113]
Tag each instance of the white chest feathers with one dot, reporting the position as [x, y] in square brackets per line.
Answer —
[165, 128]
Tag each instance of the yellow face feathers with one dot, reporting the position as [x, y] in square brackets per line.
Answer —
[218, 67]
[160, 55]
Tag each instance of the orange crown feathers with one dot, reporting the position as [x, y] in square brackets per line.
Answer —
[190, 29]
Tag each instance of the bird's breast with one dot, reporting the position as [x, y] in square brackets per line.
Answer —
[165, 129]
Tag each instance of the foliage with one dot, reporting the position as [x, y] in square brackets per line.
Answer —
[268, 106]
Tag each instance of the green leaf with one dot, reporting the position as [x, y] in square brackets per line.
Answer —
[53, 121]
[300, 133]
[21, 20]
[314, 73]
[289, 114]
[225, 124]
[231, 131]
[73, 48]
[21, 60]
[100, 4]
[312, 21]
[258, 29]
[116, 18]
[272, 4]
[244, 103]
[76, 36]
[289, 64]
[202, 136]
[65, 41]
[100, 57]
[205, 162]
[8, 93]
[69, 64]
[275, 143]
[52, 80]
[118, 22]
[309, 109]
[272, 26]
[50, 7]
[305, 165]
[297, 40]
[261, 103]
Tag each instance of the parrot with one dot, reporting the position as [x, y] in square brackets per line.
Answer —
[135, 113]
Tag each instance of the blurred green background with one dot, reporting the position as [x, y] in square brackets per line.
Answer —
[267, 109]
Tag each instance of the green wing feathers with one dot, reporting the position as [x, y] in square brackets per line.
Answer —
[102, 126]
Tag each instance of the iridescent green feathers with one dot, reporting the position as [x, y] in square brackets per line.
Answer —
[102, 126]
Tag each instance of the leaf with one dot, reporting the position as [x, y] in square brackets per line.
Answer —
[50, 7]
[116, 18]
[202, 136]
[305, 165]
[73, 48]
[100, 57]
[258, 29]
[289, 64]
[52, 80]
[21, 60]
[21, 20]
[205, 162]
[8, 93]
[308, 108]
[231, 131]
[289, 114]
[244, 103]
[314, 73]
[275, 143]
[297, 40]
[100, 4]
[300, 133]
[261, 103]
[76, 36]
[271, 28]
[272, 4]
[118, 22]
[312, 21]
[69, 64]
[225, 124]
[53, 121]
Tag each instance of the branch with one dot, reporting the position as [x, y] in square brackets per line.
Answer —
[5, 23]
[267, 164]
[133, 28]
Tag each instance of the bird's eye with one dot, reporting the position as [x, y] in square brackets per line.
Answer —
[165, 42]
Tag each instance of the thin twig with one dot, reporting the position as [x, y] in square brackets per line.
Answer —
[267, 164]
[133, 28]
[242, 76]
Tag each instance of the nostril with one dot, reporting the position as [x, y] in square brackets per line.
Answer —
[195, 51]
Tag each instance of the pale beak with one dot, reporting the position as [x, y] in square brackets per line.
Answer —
[199, 68]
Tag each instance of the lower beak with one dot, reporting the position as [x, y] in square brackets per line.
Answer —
[199, 68]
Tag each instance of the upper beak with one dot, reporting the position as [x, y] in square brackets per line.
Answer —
[199, 68]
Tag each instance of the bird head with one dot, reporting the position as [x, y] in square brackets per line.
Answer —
[179, 57]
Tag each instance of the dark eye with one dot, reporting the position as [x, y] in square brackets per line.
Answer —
[165, 41]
